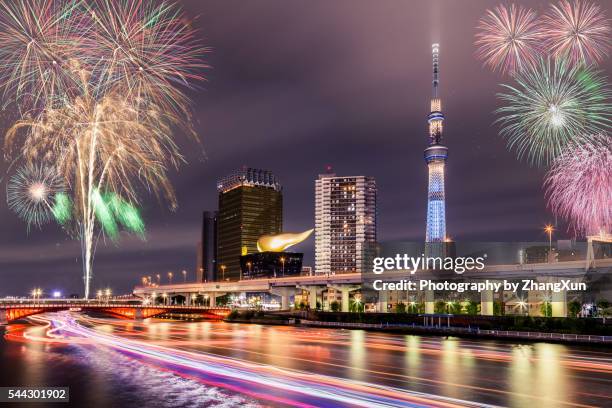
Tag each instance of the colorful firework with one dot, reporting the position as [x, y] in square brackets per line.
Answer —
[62, 208]
[579, 187]
[30, 193]
[103, 91]
[509, 39]
[552, 105]
[577, 31]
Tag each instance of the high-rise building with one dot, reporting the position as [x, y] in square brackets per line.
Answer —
[345, 223]
[250, 205]
[435, 157]
[207, 248]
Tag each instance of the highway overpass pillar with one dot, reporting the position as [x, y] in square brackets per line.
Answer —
[559, 304]
[533, 302]
[345, 298]
[486, 303]
[383, 297]
[285, 294]
[3, 317]
[429, 302]
[345, 291]
[312, 297]
[212, 300]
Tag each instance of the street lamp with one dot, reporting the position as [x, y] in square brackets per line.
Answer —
[549, 230]
[36, 293]
[170, 275]
[158, 276]
[283, 264]
[184, 276]
[223, 271]
[99, 294]
[165, 296]
[249, 266]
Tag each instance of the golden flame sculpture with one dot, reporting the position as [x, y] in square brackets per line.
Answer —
[280, 242]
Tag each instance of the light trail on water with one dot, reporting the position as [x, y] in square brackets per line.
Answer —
[282, 386]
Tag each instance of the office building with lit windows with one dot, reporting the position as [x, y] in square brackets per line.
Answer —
[250, 205]
[345, 223]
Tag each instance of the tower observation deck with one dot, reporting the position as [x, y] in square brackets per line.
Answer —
[436, 155]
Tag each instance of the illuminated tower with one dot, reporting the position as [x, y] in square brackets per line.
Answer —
[435, 157]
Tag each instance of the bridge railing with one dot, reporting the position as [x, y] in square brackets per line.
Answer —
[54, 305]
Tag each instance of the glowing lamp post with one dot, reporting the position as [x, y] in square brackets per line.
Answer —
[223, 272]
[184, 276]
[283, 265]
[549, 230]
[170, 275]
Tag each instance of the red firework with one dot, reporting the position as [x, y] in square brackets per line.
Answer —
[577, 31]
[579, 187]
[509, 38]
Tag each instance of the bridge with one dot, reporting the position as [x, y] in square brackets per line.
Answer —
[315, 287]
[18, 309]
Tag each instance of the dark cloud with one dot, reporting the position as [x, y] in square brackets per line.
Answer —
[295, 86]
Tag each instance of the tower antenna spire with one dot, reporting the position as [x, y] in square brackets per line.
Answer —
[435, 49]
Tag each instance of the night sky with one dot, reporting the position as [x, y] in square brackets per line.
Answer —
[299, 85]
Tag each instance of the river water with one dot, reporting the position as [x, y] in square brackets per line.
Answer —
[118, 363]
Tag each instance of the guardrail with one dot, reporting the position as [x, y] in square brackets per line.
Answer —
[585, 338]
[102, 305]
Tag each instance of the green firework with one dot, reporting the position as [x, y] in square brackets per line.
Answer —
[127, 214]
[552, 105]
[104, 215]
[62, 208]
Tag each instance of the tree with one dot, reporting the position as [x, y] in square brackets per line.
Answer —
[400, 308]
[546, 309]
[602, 305]
[498, 308]
[335, 306]
[440, 307]
[574, 307]
[454, 308]
[472, 308]
[356, 306]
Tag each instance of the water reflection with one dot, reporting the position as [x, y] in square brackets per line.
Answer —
[486, 371]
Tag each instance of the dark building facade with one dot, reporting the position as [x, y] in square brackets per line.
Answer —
[271, 265]
[207, 248]
[250, 205]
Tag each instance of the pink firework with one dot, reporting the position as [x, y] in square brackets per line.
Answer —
[577, 31]
[509, 38]
[579, 187]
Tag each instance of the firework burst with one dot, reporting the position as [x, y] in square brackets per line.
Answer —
[509, 39]
[102, 86]
[577, 31]
[579, 187]
[31, 191]
[552, 105]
